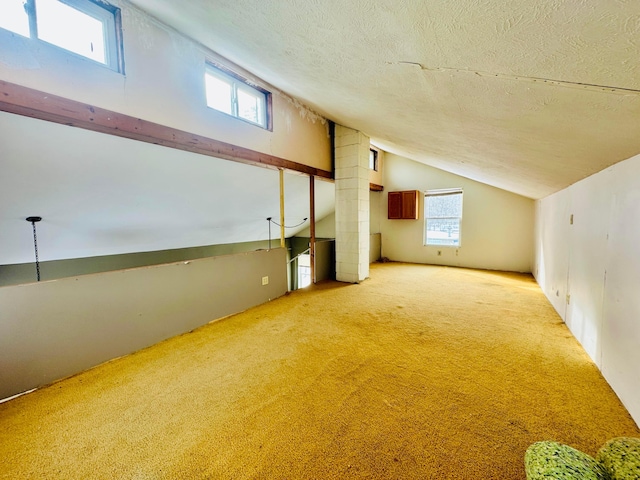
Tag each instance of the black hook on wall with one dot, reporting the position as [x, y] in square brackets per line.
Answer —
[33, 221]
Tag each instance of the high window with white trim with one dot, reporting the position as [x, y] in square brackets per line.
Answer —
[443, 217]
[233, 95]
[87, 28]
[373, 159]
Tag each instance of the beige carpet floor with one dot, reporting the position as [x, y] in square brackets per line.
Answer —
[419, 372]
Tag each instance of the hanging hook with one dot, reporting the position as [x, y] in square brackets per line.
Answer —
[269, 220]
[33, 221]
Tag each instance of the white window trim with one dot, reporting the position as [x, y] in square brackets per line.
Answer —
[105, 13]
[238, 82]
[376, 159]
[439, 193]
[108, 18]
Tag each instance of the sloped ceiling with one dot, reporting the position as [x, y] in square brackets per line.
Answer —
[100, 194]
[528, 96]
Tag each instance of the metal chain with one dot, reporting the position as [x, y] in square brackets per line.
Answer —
[35, 245]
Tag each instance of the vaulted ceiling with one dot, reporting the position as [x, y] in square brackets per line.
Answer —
[528, 96]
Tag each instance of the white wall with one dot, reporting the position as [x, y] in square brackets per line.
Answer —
[325, 227]
[596, 263]
[376, 211]
[496, 231]
[163, 83]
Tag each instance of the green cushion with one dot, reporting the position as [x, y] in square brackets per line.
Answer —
[621, 458]
[552, 460]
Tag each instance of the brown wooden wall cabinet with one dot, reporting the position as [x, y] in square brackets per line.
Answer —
[403, 205]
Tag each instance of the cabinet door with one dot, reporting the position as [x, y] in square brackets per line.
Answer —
[410, 205]
[403, 205]
[395, 205]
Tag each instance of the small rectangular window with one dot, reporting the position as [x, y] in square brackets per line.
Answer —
[14, 17]
[443, 216]
[84, 27]
[233, 95]
[373, 159]
[86, 38]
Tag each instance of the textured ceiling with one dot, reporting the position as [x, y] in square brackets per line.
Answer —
[528, 96]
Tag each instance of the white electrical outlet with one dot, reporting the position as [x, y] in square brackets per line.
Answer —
[265, 280]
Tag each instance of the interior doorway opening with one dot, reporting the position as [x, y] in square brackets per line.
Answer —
[304, 270]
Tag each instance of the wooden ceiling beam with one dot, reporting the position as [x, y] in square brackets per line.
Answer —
[32, 103]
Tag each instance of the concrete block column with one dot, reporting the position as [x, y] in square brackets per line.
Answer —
[352, 204]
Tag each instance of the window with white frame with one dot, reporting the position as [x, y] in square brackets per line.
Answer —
[85, 27]
[234, 96]
[373, 159]
[443, 217]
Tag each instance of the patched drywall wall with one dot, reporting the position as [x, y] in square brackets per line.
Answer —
[50, 330]
[587, 264]
[164, 83]
[496, 230]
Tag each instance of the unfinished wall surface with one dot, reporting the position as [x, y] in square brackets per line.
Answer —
[50, 330]
[496, 230]
[587, 264]
[164, 83]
